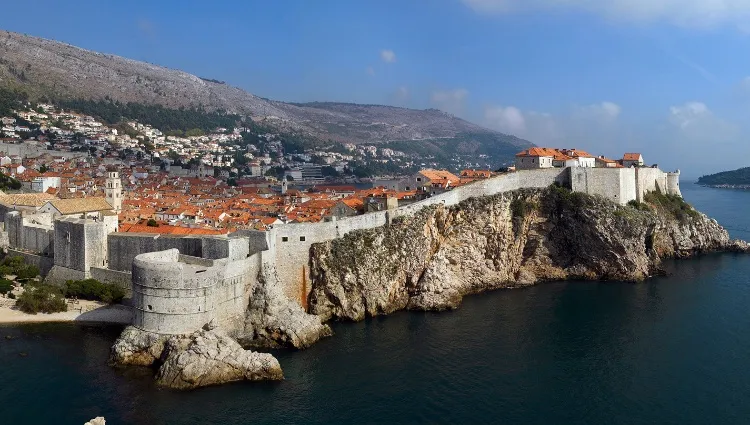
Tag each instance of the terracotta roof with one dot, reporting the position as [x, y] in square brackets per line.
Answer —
[632, 157]
[80, 205]
[536, 151]
[26, 199]
[438, 176]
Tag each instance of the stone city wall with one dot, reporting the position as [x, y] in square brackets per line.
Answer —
[80, 244]
[115, 277]
[616, 184]
[124, 247]
[292, 241]
[176, 294]
[32, 233]
[44, 263]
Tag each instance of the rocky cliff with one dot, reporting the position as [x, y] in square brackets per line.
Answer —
[429, 261]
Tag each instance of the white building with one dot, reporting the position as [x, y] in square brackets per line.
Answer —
[43, 183]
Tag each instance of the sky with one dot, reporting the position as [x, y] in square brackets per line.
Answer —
[667, 78]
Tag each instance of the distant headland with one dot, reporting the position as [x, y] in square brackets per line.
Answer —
[736, 179]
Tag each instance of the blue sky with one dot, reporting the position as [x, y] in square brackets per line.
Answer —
[668, 78]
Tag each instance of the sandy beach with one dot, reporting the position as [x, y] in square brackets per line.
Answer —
[84, 311]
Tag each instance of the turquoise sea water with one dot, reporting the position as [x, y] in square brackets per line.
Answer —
[674, 350]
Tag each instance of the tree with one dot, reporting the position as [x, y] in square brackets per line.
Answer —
[152, 223]
[43, 169]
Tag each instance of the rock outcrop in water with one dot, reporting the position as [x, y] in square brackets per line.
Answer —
[212, 357]
[205, 357]
[429, 261]
[273, 320]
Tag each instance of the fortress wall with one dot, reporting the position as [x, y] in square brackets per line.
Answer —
[256, 239]
[649, 180]
[234, 248]
[167, 298]
[121, 279]
[33, 233]
[175, 293]
[292, 254]
[124, 247]
[611, 183]
[70, 244]
[43, 262]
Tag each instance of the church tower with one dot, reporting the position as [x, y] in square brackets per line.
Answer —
[113, 190]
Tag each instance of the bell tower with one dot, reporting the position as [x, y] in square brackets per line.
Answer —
[113, 190]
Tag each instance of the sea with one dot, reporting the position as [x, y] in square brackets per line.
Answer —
[672, 350]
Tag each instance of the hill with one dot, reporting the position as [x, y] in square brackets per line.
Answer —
[735, 178]
[54, 70]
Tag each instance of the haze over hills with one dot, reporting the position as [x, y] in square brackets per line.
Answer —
[58, 70]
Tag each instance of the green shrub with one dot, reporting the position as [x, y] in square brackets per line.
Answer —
[5, 271]
[672, 204]
[5, 286]
[152, 223]
[41, 298]
[520, 208]
[29, 271]
[92, 289]
[640, 206]
[16, 265]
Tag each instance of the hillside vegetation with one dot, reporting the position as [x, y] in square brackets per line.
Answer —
[117, 86]
[739, 177]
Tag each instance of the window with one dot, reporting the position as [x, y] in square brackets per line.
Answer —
[150, 308]
[301, 238]
[284, 239]
[419, 179]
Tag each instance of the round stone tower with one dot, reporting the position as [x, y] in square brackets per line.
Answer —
[673, 183]
[173, 294]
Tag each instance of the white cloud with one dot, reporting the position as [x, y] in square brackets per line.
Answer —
[452, 101]
[388, 56]
[604, 112]
[698, 13]
[506, 119]
[688, 114]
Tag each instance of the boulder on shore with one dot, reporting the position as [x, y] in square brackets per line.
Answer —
[210, 357]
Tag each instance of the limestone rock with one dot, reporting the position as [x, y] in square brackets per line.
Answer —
[273, 320]
[96, 421]
[429, 261]
[135, 347]
[212, 357]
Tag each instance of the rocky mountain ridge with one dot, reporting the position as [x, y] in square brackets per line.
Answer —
[58, 70]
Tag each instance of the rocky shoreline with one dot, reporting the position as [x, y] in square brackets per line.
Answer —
[430, 261]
